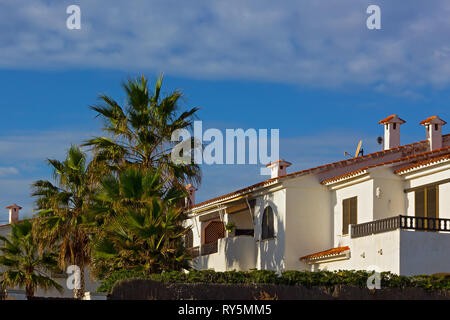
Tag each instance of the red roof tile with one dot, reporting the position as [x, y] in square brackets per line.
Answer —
[427, 120]
[355, 172]
[423, 163]
[386, 120]
[326, 253]
[307, 171]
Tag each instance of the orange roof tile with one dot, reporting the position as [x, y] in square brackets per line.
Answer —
[327, 253]
[423, 163]
[361, 170]
[427, 120]
[386, 120]
[307, 171]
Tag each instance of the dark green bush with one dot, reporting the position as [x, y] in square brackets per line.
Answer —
[304, 278]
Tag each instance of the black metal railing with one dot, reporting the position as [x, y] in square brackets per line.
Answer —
[402, 222]
[209, 248]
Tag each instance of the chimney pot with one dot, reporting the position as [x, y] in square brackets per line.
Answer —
[190, 199]
[278, 168]
[14, 213]
[392, 131]
[433, 126]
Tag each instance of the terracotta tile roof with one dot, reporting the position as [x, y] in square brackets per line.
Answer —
[427, 120]
[362, 170]
[423, 163]
[327, 253]
[14, 206]
[311, 170]
[386, 120]
[243, 190]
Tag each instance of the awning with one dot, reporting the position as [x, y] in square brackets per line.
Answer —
[327, 254]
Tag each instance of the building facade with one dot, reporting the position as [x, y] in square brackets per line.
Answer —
[384, 211]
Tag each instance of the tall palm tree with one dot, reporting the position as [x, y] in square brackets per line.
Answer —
[139, 133]
[144, 230]
[25, 267]
[62, 211]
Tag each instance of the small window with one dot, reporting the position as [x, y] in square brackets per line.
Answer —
[267, 224]
[395, 126]
[436, 127]
[349, 213]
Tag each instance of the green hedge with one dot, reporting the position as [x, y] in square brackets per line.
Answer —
[304, 278]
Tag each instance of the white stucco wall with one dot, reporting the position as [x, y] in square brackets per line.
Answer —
[380, 250]
[234, 253]
[271, 252]
[424, 252]
[308, 220]
[364, 190]
[391, 200]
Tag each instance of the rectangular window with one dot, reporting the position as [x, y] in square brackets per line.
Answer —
[427, 202]
[349, 213]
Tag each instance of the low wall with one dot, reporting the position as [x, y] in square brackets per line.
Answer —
[136, 289]
[234, 253]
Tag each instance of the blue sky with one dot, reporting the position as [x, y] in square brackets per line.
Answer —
[308, 68]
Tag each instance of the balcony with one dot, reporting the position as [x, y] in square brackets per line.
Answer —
[232, 253]
[400, 222]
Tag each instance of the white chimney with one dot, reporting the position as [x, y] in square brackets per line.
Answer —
[278, 168]
[190, 200]
[433, 126]
[14, 213]
[392, 131]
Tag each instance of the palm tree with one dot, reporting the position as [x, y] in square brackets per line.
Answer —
[62, 211]
[24, 266]
[144, 230]
[139, 134]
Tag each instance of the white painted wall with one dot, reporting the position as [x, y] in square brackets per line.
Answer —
[308, 220]
[365, 253]
[391, 199]
[364, 190]
[271, 252]
[424, 252]
[234, 253]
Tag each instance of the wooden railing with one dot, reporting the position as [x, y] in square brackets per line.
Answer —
[402, 222]
[209, 248]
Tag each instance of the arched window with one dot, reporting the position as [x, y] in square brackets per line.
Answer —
[267, 224]
[189, 239]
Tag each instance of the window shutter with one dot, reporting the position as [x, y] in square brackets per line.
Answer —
[345, 215]
[419, 203]
[354, 210]
[432, 205]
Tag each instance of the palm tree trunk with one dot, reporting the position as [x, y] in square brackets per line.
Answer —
[79, 293]
[29, 291]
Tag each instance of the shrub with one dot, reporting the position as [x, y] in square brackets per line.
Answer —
[308, 279]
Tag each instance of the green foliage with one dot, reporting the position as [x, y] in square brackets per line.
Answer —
[139, 133]
[142, 230]
[62, 218]
[303, 278]
[23, 265]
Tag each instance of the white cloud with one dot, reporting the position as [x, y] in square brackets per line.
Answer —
[8, 171]
[316, 43]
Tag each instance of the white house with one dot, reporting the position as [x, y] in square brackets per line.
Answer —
[388, 210]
